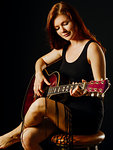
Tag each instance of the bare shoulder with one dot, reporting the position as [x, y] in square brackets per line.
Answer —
[94, 50]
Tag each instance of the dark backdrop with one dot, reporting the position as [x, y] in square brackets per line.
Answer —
[25, 41]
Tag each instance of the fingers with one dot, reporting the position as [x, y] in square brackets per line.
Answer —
[38, 89]
[77, 92]
[46, 81]
[38, 85]
[85, 91]
[83, 80]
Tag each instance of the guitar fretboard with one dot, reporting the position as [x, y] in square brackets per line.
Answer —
[63, 88]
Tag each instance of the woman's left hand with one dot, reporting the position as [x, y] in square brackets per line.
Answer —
[77, 92]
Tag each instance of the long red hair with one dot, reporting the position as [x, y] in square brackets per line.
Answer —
[81, 30]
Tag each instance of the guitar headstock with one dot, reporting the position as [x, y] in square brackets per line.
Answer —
[98, 87]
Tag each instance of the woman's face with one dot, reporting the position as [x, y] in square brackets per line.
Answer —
[64, 27]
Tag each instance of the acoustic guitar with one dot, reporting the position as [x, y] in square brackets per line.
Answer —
[97, 88]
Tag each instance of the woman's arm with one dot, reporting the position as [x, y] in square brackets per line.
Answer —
[41, 64]
[47, 59]
[97, 60]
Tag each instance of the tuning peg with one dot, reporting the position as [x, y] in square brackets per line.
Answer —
[92, 94]
[109, 82]
[98, 94]
[103, 95]
[85, 91]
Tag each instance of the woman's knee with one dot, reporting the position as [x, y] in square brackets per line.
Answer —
[38, 106]
[27, 139]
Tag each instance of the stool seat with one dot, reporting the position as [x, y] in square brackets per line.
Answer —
[81, 141]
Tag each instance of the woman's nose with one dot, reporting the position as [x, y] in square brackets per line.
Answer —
[63, 29]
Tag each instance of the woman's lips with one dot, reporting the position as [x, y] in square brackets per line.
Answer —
[67, 34]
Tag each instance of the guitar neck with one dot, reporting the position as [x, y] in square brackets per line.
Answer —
[64, 88]
[97, 87]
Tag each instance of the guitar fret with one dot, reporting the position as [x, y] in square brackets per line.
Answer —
[60, 89]
[54, 90]
[63, 88]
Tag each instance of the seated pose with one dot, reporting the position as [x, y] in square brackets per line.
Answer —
[83, 60]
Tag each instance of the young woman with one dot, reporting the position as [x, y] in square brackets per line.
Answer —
[82, 60]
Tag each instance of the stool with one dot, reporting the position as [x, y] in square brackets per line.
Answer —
[70, 142]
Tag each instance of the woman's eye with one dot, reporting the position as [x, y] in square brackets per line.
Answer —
[63, 24]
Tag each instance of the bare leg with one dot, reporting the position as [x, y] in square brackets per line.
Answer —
[14, 136]
[35, 124]
[36, 113]
[10, 138]
[33, 120]
[33, 136]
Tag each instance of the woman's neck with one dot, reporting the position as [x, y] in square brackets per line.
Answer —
[77, 43]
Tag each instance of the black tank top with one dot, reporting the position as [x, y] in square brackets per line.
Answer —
[85, 109]
[79, 69]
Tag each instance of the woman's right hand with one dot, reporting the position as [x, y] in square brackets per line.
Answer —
[38, 83]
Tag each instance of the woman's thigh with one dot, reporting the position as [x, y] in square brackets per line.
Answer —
[56, 112]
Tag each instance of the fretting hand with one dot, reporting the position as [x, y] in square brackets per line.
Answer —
[77, 92]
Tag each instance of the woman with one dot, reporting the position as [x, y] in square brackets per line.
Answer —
[82, 59]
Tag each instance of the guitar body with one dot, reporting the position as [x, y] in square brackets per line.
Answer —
[29, 98]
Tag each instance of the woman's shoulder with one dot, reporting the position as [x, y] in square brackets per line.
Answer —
[94, 50]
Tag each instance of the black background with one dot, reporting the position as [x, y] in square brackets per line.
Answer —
[24, 41]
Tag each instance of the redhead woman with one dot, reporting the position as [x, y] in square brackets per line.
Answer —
[83, 60]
